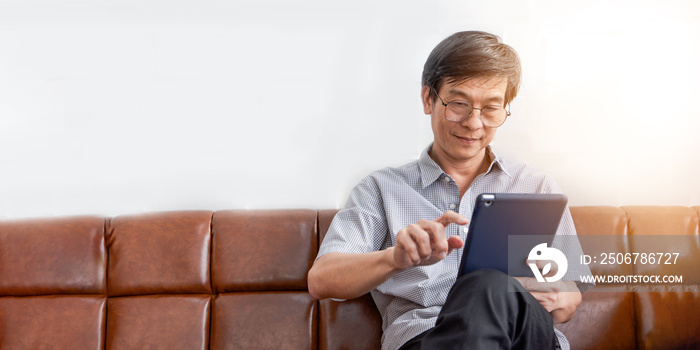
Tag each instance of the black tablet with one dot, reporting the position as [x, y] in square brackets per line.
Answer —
[534, 217]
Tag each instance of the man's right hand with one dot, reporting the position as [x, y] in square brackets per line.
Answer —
[347, 276]
[425, 242]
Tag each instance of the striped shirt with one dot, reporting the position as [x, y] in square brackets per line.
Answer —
[390, 199]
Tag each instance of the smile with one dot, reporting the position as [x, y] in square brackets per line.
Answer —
[467, 140]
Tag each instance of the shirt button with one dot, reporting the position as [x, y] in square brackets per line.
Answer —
[452, 206]
[466, 229]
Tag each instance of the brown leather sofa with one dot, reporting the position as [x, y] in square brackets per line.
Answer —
[237, 280]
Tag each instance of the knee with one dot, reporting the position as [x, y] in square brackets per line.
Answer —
[488, 282]
[485, 274]
[492, 287]
[485, 279]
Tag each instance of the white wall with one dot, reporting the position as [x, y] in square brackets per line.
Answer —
[113, 106]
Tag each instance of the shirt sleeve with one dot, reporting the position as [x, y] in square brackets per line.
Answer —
[361, 226]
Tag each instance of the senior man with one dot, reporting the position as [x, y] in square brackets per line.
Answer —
[400, 233]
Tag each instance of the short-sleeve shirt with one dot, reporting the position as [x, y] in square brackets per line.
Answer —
[390, 199]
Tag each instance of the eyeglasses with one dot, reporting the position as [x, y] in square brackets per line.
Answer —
[458, 110]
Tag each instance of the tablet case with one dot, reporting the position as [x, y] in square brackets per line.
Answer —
[535, 217]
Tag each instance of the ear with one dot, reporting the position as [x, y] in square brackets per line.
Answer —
[427, 100]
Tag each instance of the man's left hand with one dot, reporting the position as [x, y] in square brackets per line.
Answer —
[560, 298]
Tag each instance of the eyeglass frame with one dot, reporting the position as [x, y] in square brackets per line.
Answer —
[481, 115]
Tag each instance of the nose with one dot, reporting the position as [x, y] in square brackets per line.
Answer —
[473, 121]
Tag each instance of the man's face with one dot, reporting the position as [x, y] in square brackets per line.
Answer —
[459, 142]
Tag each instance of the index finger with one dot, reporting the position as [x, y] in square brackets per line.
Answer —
[551, 270]
[542, 264]
[451, 217]
[531, 284]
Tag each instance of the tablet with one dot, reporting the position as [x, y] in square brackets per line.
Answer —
[535, 217]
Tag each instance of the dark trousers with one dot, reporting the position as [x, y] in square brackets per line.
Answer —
[487, 309]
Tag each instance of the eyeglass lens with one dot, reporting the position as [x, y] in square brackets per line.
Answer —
[491, 116]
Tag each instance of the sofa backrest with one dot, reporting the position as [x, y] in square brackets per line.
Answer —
[616, 316]
[237, 280]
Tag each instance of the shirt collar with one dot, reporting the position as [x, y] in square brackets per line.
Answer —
[431, 171]
[496, 161]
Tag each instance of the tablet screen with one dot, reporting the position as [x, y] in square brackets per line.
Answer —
[498, 215]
